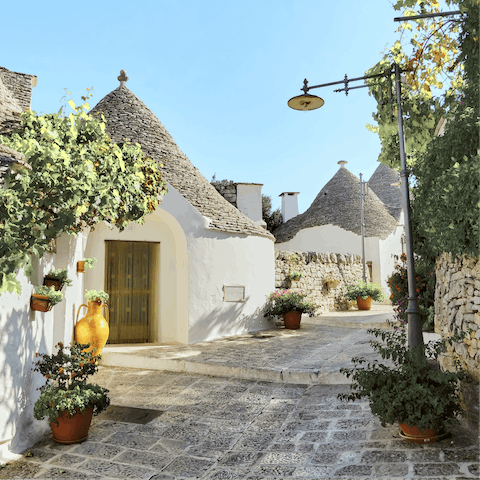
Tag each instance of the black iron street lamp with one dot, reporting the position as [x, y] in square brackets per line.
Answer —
[307, 102]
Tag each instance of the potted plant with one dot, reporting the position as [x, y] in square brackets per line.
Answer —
[66, 399]
[57, 278]
[45, 298]
[412, 390]
[331, 282]
[290, 305]
[295, 275]
[85, 264]
[93, 327]
[364, 293]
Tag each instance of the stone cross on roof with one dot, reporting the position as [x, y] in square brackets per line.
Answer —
[122, 78]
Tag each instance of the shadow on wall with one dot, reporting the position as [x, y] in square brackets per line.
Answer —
[20, 382]
[225, 323]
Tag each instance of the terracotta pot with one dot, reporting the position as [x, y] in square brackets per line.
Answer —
[333, 284]
[414, 435]
[40, 303]
[364, 304]
[53, 282]
[72, 429]
[80, 266]
[292, 320]
[92, 328]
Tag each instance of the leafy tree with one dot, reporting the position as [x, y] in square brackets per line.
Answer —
[79, 178]
[434, 77]
[445, 210]
[272, 219]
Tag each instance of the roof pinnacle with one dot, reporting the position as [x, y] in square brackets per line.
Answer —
[122, 78]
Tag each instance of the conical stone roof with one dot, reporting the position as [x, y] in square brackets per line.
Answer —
[128, 118]
[391, 196]
[338, 203]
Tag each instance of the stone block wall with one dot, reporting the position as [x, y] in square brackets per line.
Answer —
[317, 268]
[457, 306]
[228, 190]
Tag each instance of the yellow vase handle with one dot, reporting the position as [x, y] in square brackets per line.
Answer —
[106, 306]
[78, 313]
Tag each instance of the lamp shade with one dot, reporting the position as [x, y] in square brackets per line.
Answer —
[306, 102]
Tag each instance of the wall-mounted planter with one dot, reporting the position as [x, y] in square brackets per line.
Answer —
[53, 282]
[332, 284]
[40, 303]
[80, 266]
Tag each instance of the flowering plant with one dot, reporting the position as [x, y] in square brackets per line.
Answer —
[284, 301]
[425, 289]
[88, 262]
[364, 290]
[66, 388]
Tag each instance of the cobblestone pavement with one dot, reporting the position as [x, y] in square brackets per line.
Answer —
[166, 425]
[313, 354]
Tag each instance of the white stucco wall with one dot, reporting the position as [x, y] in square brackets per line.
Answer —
[326, 238]
[23, 333]
[195, 264]
[249, 200]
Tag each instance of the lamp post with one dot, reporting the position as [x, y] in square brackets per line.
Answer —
[307, 102]
[362, 222]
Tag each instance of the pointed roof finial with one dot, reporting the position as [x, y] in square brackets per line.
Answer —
[122, 78]
[342, 163]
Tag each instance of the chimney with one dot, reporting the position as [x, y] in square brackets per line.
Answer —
[289, 205]
[342, 163]
[249, 201]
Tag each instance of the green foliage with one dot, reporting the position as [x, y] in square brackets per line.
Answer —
[53, 296]
[364, 290]
[66, 388]
[425, 288]
[79, 178]
[295, 275]
[284, 301]
[446, 192]
[409, 389]
[89, 263]
[272, 219]
[60, 274]
[97, 296]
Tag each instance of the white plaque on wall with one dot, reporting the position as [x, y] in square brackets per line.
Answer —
[233, 294]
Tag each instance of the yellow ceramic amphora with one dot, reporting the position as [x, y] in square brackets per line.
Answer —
[92, 328]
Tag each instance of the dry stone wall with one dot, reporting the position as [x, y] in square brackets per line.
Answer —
[227, 189]
[317, 269]
[457, 306]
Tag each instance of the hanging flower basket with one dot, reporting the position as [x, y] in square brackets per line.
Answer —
[53, 282]
[40, 303]
[332, 283]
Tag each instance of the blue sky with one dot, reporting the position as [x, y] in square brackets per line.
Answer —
[218, 75]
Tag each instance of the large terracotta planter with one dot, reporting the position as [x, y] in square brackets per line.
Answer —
[364, 304]
[40, 303]
[292, 320]
[72, 429]
[414, 435]
[53, 282]
[93, 328]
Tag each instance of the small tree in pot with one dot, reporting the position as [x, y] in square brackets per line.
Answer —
[412, 390]
[66, 399]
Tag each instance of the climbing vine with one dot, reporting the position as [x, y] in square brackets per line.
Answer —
[79, 177]
[430, 54]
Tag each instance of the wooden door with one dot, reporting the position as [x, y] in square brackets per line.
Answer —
[131, 274]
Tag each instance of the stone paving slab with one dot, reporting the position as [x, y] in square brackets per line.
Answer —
[242, 429]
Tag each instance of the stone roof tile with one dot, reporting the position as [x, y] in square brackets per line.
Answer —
[338, 203]
[127, 117]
